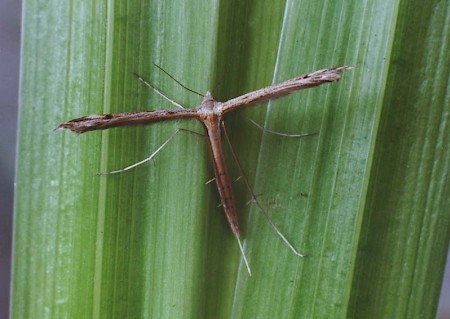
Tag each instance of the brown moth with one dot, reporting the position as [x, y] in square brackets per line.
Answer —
[210, 114]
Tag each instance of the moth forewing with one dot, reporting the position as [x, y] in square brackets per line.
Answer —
[278, 90]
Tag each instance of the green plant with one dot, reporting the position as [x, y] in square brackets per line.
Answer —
[365, 199]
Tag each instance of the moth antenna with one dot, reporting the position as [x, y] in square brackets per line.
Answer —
[178, 82]
[151, 86]
[253, 196]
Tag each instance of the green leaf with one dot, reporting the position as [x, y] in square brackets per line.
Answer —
[364, 199]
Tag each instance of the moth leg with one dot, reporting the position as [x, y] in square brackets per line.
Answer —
[279, 133]
[253, 196]
[153, 154]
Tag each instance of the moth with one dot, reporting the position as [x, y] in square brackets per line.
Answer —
[210, 113]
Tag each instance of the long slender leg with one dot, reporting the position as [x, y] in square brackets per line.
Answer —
[243, 256]
[278, 133]
[154, 153]
[253, 196]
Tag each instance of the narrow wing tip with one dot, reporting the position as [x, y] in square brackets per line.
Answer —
[63, 126]
[58, 128]
[347, 67]
[76, 125]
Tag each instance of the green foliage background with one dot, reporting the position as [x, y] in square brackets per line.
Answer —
[366, 199]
